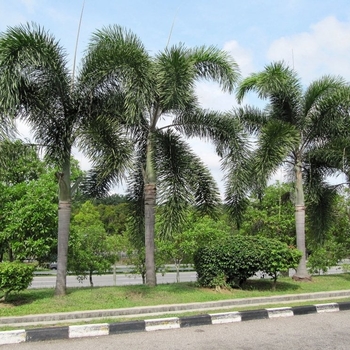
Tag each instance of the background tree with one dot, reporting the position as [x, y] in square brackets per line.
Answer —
[28, 204]
[37, 86]
[271, 215]
[90, 250]
[335, 245]
[158, 106]
[28, 221]
[198, 231]
[294, 123]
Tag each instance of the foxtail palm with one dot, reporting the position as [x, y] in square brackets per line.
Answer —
[37, 87]
[160, 106]
[294, 125]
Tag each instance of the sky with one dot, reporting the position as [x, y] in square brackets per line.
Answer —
[312, 36]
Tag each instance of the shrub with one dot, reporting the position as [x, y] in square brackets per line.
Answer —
[277, 257]
[233, 261]
[14, 277]
[237, 258]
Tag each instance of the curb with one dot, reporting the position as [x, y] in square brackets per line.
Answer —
[151, 311]
[94, 330]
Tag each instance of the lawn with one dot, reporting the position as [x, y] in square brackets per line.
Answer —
[39, 301]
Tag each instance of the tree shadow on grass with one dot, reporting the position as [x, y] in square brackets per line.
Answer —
[265, 285]
[26, 297]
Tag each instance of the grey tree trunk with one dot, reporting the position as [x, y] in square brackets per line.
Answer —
[150, 214]
[150, 202]
[64, 214]
[177, 266]
[302, 273]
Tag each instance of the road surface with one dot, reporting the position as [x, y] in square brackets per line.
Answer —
[107, 280]
[327, 331]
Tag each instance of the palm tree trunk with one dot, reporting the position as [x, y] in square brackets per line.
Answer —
[150, 204]
[64, 213]
[301, 273]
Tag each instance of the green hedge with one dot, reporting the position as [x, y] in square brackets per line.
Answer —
[233, 261]
[14, 277]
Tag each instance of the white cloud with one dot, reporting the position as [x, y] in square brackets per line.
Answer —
[325, 49]
[210, 94]
[212, 97]
[242, 56]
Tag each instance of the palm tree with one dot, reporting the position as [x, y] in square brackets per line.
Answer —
[290, 130]
[37, 87]
[159, 107]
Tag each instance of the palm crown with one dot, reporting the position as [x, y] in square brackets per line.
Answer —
[159, 105]
[37, 86]
[294, 126]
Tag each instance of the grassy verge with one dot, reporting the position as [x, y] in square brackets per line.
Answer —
[167, 315]
[38, 301]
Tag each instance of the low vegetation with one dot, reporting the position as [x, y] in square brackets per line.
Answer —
[232, 261]
[14, 277]
[38, 301]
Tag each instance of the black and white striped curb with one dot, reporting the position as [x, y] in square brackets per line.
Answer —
[93, 330]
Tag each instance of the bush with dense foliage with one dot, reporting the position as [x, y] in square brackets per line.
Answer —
[277, 257]
[233, 261]
[14, 277]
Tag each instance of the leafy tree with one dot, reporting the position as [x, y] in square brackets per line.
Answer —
[277, 257]
[114, 217]
[158, 106]
[199, 231]
[37, 86]
[294, 124]
[19, 162]
[28, 220]
[28, 203]
[113, 199]
[271, 215]
[90, 250]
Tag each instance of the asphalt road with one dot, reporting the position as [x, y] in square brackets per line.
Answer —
[107, 280]
[327, 331]
[45, 281]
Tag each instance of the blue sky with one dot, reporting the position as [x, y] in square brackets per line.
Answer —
[313, 36]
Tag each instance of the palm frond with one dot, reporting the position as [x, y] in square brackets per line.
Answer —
[217, 65]
[251, 118]
[328, 117]
[183, 181]
[35, 85]
[116, 56]
[280, 86]
[110, 150]
[320, 210]
[178, 69]
[225, 131]
[276, 142]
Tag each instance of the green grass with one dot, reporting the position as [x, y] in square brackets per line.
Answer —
[39, 301]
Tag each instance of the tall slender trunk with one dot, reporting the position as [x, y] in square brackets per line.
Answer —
[300, 223]
[177, 266]
[64, 214]
[90, 278]
[150, 204]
